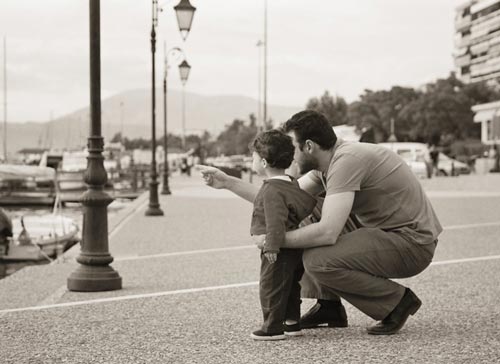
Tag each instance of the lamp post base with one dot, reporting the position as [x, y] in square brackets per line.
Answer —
[154, 211]
[94, 279]
[154, 203]
[165, 189]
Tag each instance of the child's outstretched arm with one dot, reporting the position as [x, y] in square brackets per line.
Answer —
[215, 178]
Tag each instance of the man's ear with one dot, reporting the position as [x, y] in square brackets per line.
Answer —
[264, 162]
[309, 145]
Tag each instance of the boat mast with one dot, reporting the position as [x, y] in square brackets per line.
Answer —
[5, 99]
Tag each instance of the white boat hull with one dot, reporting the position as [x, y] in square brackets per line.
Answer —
[50, 236]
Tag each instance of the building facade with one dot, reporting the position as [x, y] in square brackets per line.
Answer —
[477, 57]
[477, 41]
[489, 117]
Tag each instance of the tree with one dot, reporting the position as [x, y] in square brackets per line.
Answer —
[237, 136]
[335, 109]
[375, 109]
[117, 138]
[444, 109]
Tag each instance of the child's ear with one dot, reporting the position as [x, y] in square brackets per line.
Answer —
[264, 162]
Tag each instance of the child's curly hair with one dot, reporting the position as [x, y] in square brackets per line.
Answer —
[275, 147]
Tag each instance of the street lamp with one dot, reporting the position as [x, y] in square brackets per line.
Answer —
[185, 12]
[392, 137]
[260, 124]
[94, 273]
[265, 66]
[184, 68]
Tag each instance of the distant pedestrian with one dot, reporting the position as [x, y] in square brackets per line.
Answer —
[280, 205]
[434, 156]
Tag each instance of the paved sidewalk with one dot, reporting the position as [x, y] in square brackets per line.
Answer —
[190, 292]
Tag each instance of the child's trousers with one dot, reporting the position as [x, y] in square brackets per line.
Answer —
[280, 289]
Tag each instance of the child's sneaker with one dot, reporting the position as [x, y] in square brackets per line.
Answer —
[292, 330]
[261, 335]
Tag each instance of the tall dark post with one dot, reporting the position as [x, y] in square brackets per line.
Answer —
[165, 189]
[4, 100]
[496, 165]
[94, 273]
[154, 205]
[264, 124]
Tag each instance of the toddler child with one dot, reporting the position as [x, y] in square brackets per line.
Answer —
[279, 206]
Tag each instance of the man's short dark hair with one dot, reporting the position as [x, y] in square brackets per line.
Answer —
[275, 147]
[311, 125]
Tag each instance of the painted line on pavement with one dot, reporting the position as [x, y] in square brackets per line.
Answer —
[462, 194]
[187, 252]
[216, 250]
[195, 290]
[471, 226]
[466, 260]
[129, 297]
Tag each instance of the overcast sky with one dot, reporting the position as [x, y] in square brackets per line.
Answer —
[315, 45]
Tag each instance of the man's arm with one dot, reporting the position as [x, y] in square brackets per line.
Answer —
[334, 214]
[215, 178]
[309, 185]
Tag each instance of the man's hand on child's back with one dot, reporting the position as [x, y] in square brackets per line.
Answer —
[271, 257]
[259, 240]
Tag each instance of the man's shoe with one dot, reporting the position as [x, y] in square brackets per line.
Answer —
[266, 336]
[324, 313]
[292, 330]
[408, 305]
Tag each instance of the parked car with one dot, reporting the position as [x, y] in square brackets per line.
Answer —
[451, 167]
[417, 156]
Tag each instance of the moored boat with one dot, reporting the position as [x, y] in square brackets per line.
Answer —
[27, 185]
[40, 237]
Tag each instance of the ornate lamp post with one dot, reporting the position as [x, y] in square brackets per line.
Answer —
[184, 68]
[94, 273]
[185, 12]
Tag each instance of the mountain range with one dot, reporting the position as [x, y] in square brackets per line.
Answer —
[130, 112]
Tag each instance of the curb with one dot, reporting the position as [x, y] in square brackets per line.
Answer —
[114, 224]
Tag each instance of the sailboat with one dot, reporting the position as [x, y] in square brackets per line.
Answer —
[27, 185]
[38, 238]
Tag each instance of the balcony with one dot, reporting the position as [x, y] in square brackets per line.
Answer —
[463, 41]
[463, 23]
[462, 60]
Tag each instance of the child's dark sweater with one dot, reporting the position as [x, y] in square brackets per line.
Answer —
[279, 207]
